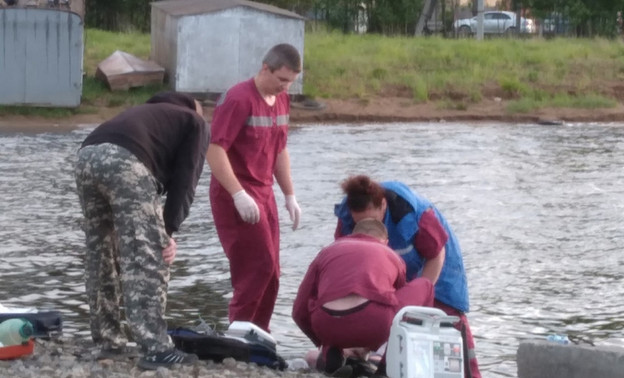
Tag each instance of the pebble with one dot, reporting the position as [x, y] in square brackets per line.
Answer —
[65, 357]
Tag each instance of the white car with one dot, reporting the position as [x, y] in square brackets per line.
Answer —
[494, 22]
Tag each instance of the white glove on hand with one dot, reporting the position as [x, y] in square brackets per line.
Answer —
[246, 207]
[294, 210]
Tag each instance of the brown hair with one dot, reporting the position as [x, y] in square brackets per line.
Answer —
[283, 55]
[371, 227]
[361, 192]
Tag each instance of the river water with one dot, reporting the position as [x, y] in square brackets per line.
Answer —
[538, 210]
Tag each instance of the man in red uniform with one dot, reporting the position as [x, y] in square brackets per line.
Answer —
[247, 149]
[351, 292]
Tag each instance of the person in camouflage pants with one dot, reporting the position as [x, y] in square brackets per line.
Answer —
[111, 179]
[128, 233]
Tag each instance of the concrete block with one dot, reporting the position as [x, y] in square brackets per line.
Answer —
[544, 359]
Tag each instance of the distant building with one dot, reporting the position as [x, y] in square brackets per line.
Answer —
[42, 60]
[206, 46]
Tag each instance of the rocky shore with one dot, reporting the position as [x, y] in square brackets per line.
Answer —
[63, 357]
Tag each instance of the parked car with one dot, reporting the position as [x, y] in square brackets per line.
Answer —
[494, 22]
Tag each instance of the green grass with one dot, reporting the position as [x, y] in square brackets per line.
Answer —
[530, 73]
[589, 101]
[96, 93]
[40, 112]
[100, 44]
[462, 70]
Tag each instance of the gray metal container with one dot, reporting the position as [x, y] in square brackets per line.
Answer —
[41, 57]
[206, 46]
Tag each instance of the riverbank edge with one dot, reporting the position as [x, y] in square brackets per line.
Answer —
[336, 111]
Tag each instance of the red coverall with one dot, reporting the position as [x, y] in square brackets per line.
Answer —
[356, 264]
[252, 133]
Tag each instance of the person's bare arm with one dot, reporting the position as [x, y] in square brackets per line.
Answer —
[282, 173]
[433, 267]
[284, 180]
[221, 168]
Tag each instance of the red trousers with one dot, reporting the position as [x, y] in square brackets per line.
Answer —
[467, 334]
[253, 252]
[370, 326]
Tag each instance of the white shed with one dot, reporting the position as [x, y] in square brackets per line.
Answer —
[206, 46]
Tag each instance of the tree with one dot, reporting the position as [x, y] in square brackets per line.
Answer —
[118, 15]
[587, 17]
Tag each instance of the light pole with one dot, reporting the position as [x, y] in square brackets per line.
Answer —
[479, 34]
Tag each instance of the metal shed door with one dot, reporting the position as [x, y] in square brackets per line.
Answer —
[41, 53]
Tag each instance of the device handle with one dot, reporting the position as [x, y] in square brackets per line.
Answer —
[423, 316]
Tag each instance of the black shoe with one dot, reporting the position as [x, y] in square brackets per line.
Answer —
[381, 371]
[330, 360]
[360, 367]
[342, 372]
[117, 353]
[153, 361]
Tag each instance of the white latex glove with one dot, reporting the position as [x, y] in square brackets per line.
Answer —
[294, 210]
[246, 207]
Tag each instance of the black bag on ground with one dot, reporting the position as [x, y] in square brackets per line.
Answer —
[217, 347]
[45, 323]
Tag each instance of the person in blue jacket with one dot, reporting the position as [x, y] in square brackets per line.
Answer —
[420, 234]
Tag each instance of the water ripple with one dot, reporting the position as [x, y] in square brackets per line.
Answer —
[538, 212]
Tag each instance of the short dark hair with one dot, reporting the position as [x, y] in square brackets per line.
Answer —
[282, 55]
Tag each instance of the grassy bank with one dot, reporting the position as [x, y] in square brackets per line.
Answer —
[532, 73]
[528, 73]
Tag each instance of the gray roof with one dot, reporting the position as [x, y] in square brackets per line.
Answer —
[189, 7]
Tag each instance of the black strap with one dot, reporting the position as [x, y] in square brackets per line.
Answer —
[339, 313]
[467, 371]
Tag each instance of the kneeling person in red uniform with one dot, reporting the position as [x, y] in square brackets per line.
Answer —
[355, 282]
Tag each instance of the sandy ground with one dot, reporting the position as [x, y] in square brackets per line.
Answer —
[387, 109]
[395, 109]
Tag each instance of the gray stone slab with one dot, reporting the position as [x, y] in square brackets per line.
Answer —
[544, 359]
